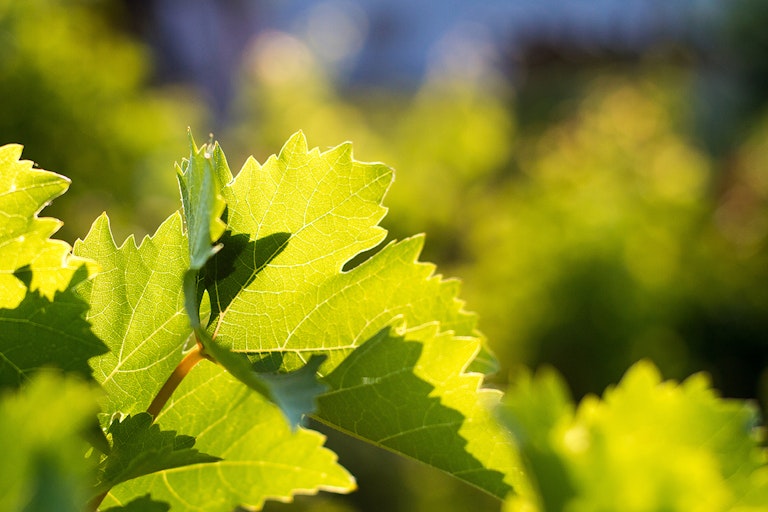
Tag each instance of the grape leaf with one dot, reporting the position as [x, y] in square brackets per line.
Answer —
[41, 333]
[615, 453]
[41, 441]
[201, 177]
[406, 405]
[24, 237]
[139, 448]
[279, 294]
[293, 224]
[262, 458]
[41, 321]
[137, 308]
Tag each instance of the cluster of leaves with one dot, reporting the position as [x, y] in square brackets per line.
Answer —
[250, 275]
[174, 373]
[647, 445]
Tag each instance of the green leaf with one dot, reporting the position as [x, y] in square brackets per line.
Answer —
[279, 295]
[386, 393]
[262, 458]
[278, 287]
[41, 321]
[24, 237]
[137, 308]
[647, 445]
[40, 333]
[532, 409]
[41, 427]
[139, 448]
[201, 178]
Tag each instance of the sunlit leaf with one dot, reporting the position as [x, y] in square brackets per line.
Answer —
[278, 288]
[262, 458]
[137, 308]
[42, 323]
[24, 237]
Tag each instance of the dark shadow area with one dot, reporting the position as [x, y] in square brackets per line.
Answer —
[269, 362]
[394, 409]
[42, 333]
[237, 264]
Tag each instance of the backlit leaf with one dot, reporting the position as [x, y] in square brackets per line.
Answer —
[262, 458]
[279, 288]
[137, 308]
[41, 322]
[41, 333]
[24, 237]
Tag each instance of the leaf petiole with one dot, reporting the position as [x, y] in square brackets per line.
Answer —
[190, 360]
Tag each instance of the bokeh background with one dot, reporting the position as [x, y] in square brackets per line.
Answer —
[595, 172]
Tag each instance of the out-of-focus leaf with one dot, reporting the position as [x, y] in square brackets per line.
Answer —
[41, 426]
[647, 445]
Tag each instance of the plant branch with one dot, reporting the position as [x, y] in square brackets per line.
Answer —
[190, 360]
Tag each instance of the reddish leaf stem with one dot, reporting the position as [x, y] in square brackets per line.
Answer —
[190, 360]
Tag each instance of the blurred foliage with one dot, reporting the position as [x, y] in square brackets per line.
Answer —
[75, 93]
[42, 438]
[646, 445]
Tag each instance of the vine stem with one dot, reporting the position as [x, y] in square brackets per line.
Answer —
[182, 369]
[190, 360]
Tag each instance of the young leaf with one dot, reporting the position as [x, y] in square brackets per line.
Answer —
[262, 458]
[139, 448]
[41, 429]
[137, 308]
[201, 178]
[278, 287]
[24, 237]
[647, 445]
